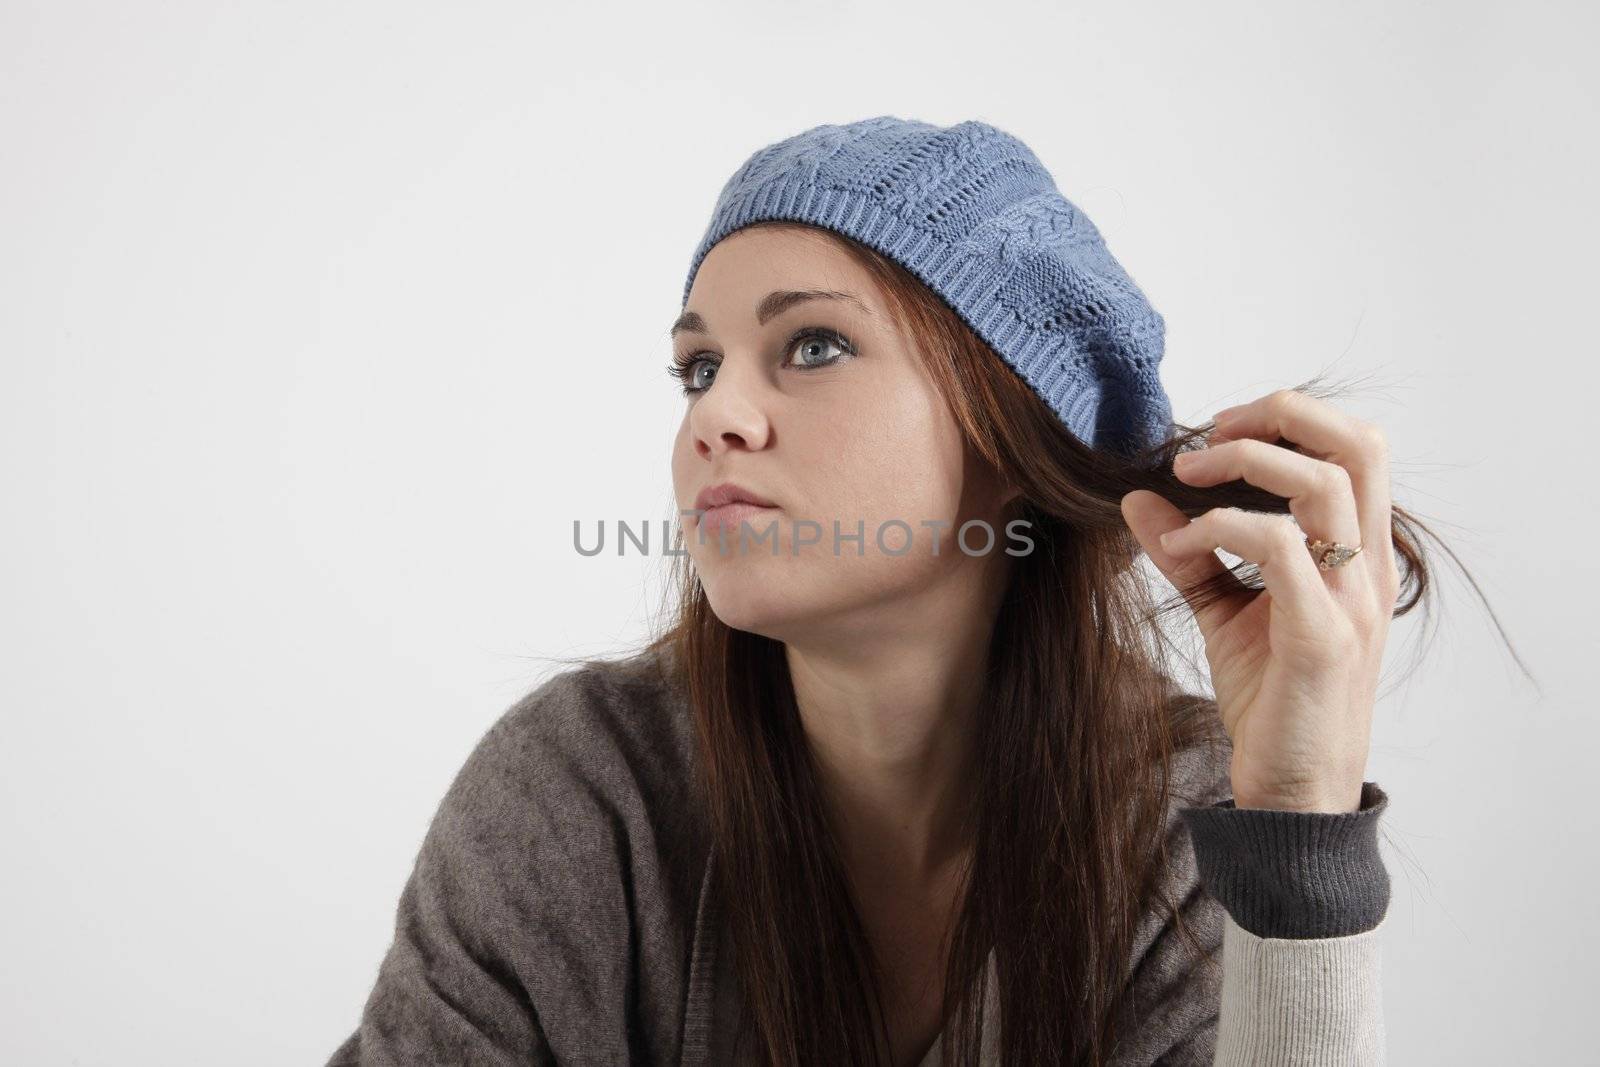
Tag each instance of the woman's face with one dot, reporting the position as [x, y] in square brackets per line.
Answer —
[823, 407]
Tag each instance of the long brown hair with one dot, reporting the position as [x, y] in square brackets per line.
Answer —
[1069, 813]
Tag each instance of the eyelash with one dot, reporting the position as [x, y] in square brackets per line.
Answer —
[682, 366]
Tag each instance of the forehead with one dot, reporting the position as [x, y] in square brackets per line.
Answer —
[751, 262]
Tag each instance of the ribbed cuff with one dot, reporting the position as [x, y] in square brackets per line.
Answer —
[1294, 874]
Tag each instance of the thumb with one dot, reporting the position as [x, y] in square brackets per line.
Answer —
[1149, 515]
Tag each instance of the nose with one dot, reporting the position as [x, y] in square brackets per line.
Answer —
[730, 414]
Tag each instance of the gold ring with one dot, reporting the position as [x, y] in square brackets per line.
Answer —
[1331, 554]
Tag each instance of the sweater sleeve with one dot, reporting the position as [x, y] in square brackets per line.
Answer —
[515, 939]
[1305, 894]
[448, 988]
[1271, 955]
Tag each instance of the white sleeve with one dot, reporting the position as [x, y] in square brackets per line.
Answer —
[1310, 1001]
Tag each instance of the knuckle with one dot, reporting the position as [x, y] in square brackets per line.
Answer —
[1381, 596]
[1374, 440]
[1391, 587]
[1282, 400]
[1236, 455]
[1250, 447]
[1335, 477]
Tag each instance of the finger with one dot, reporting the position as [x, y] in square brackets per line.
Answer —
[1148, 515]
[1326, 432]
[1320, 495]
[1275, 546]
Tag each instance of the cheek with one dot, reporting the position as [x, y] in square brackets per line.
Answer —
[905, 482]
[902, 458]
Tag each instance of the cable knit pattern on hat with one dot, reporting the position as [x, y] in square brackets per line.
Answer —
[971, 211]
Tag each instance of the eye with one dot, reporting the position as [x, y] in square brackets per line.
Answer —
[688, 371]
[697, 371]
[813, 344]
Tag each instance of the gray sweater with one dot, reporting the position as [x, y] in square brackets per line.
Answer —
[558, 912]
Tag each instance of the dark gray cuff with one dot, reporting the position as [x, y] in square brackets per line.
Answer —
[1294, 874]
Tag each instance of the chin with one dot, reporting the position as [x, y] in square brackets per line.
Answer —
[748, 593]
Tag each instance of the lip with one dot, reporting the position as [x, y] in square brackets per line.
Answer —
[728, 505]
[729, 516]
[716, 496]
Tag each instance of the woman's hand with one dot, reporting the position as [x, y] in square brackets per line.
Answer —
[1294, 666]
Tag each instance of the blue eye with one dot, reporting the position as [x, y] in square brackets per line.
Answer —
[687, 369]
[826, 337]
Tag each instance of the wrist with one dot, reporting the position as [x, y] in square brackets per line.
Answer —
[1327, 800]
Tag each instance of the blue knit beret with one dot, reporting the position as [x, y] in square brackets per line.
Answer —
[972, 212]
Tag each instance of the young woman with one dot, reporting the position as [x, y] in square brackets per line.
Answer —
[909, 779]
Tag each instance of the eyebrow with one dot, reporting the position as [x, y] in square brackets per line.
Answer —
[772, 305]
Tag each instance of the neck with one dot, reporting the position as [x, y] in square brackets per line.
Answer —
[891, 716]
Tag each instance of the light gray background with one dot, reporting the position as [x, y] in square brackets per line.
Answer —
[322, 322]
